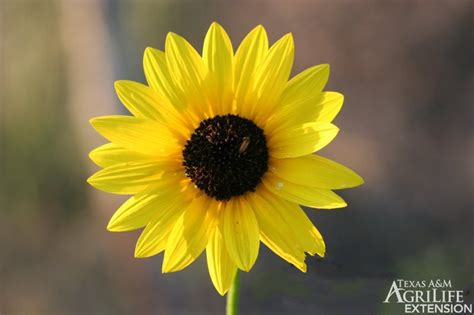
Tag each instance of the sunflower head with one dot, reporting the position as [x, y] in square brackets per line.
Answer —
[218, 154]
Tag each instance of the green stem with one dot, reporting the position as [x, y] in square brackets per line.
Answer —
[232, 307]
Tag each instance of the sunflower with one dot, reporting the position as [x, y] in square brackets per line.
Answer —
[218, 154]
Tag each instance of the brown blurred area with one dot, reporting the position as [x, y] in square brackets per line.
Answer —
[407, 72]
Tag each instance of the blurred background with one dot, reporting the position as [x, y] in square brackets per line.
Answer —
[406, 69]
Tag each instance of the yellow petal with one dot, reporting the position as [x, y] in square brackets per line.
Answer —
[139, 135]
[328, 106]
[143, 102]
[154, 237]
[249, 55]
[139, 210]
[190, 234]
[315, 171]
[303, 195]
[217, 55]
[140, 100]
[302, 101]
[301, 140]
[110, 154]
[221, 268]
[304, 231]
[271, 77]
[305, 86]
[276, 234]
[130, 178]
[135, 213]
[324, 109]
[241, 233]
[187, 70]
[159, 78]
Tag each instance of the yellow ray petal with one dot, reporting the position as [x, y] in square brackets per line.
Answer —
[271, 77]
[328, 106]
[301, 140]
[304, 231]
[218, 54]
[190, 234]
[187, 71]
[140, 100]
[131, 178]
[249, 55]
[154, 237]
[144, 102]
[241, 233]
[315, 171]
[303, 195]
[221, 268]
[276, 234]
[323, 107]
[139, 210]
[135, 213]
[110, 154]
[299, 100]
[159, 78]
[306, 85]
[139, 135]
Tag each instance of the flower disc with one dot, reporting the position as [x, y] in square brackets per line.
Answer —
[226, 156]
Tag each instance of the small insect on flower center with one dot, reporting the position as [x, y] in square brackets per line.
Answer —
[226, 156]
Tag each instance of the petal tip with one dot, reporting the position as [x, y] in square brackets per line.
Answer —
[172, 36]
[111, 227]
[303, 268]
[358, 181]
[222, 293]
[149, 54]
[325, 66]
[148, 50]
[321, 253]
[91, 179]
[137, 253]
[214, 25]
[259, 30]
[288, 37]
[220, 289]
[93, 121]
[91, 155]
[97, 121]
[165, 268]
[119, 84]
[140, 250]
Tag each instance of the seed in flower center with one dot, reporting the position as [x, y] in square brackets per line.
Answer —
[226, 156]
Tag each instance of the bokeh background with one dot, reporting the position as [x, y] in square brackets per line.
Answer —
[406, 69]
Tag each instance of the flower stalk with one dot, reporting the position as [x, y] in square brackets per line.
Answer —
[232, 307]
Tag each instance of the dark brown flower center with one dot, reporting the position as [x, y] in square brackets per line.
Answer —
[226, 156]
